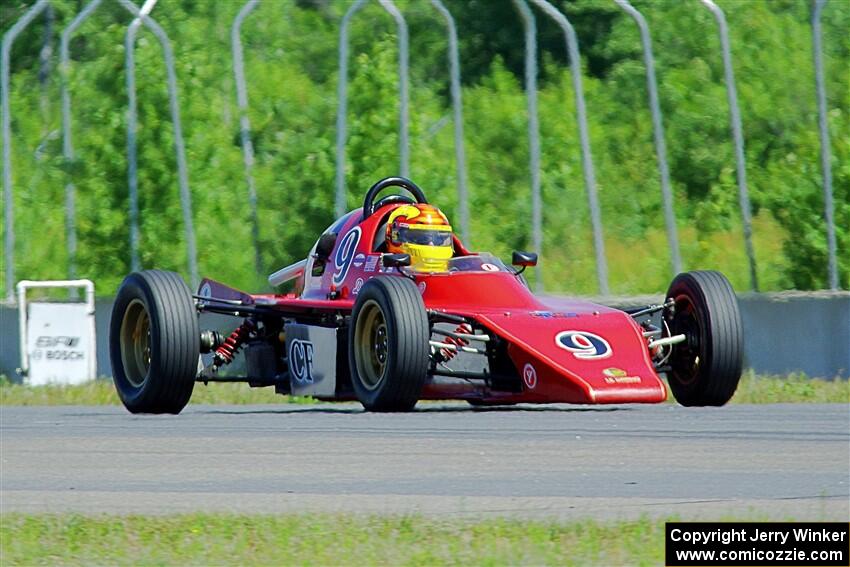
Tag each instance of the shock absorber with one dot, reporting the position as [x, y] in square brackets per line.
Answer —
[463, 329]
[226, 352]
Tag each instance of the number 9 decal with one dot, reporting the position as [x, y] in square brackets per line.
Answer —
[583, 345]
[345, 254]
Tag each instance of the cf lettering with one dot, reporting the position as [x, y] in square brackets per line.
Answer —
[301, 360]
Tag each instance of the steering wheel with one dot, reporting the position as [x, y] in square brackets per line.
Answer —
[369, 204]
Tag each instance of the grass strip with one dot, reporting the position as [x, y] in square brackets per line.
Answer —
[101, 392]
[753, 389]
[792, 388]
[323, 539]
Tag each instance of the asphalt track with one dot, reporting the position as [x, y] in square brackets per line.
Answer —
[758, 462]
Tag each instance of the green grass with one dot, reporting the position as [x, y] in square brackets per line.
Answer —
[753, 389]
[102, 393]
[792, 388]
[321, 539]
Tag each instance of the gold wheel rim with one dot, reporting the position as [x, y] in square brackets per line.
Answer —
[371, 342]
[136, 343]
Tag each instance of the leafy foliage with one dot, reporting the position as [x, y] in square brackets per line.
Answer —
[291, 66]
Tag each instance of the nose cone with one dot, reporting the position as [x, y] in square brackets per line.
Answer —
[590, 354]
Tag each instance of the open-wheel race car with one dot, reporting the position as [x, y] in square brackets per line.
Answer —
[390, 308]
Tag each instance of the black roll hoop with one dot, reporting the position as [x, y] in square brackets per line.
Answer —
[403, 182]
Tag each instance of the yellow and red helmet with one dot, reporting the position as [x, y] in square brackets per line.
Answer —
[424, 232]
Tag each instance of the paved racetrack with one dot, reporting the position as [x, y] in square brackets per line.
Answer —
[766, 461]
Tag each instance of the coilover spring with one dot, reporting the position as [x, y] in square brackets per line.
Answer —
[225, 353]
[464, 329]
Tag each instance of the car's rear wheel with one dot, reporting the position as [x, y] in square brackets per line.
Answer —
[706, 367]
[388, 348]
[154, 342]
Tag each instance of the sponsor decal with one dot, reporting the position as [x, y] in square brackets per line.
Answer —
[529, 376]
[51, 342]
[301, 361]
[615, 372]
[584, 345]
[357, 286]
[619, 376]
[371, 262]
[345, 254]
[206, 290]
[489, 267]
[421, 287]
[553, 315]
[57, 348]
[358, 260]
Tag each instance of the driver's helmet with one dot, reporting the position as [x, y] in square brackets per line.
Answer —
[424, 232]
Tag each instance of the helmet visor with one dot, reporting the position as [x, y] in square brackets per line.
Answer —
[425, 237]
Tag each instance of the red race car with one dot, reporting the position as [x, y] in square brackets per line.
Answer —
[389, 308]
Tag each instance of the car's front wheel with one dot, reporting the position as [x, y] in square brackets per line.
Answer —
[154, 342]
[388, 348]
[706, 367]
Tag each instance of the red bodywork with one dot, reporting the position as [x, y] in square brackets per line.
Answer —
[498, 301]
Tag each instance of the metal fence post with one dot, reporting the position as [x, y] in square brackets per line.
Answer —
[45, 54]
[825, 150]
[584, 138]
[245, 124]
[658, 132]
[403, 90]
[530, 30]
[9, 207]
[132, 168]
[132, 174]
[342, 107]
[342, 96]
[738, 137]
[67, 143]
[179, 147]
[457, 109]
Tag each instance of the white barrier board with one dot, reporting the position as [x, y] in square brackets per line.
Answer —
[59, 343]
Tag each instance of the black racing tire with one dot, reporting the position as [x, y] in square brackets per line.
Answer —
[388, 350]
[706, 368]
[154, 342]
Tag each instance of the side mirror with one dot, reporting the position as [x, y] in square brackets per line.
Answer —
[325, 245]
[395, 260]
[524, 259]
